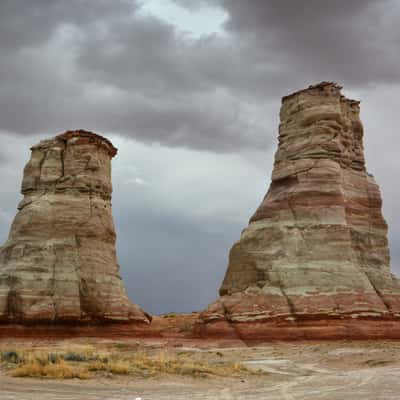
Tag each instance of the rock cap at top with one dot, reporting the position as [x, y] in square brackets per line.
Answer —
[326, 88]
[79, 136]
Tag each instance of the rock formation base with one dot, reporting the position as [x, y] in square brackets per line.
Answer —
[313, 329]
[190, 329]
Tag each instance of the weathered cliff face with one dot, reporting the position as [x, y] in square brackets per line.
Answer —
[317, 245]
[59, 262]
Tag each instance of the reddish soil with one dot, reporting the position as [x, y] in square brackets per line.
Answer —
[186, 327]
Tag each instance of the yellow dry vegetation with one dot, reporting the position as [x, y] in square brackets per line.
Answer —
[164, 363]
[83, 363]
[59, 370]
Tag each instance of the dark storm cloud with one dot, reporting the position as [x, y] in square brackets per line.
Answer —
[352, 41]
[25, 24]
[108, 66]
[113, 69]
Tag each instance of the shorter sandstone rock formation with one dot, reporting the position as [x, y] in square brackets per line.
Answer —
[59, 262]
[316, 249]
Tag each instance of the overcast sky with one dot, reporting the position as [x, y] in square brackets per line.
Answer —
[189, 91]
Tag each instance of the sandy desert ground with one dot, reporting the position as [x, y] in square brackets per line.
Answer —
[284, 371]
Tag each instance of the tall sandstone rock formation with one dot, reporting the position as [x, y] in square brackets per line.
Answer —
[316, 249]
[59, 262]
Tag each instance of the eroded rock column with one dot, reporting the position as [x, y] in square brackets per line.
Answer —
[59, 262]
[317, 245]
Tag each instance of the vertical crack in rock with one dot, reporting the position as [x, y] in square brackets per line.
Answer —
[59, 262]
[53, 282]
[322, 193]
[62, 162]
[292, 307]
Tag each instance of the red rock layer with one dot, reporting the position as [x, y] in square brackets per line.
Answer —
[253, 332]
[183, 329]
[316, 248]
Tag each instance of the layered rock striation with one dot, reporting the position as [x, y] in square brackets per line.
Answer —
[317, 247]
[59, 262]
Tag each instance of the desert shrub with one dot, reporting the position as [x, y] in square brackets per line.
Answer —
[53, 358]
[377, 363]
[164, 363]
[169, 315]
[38, 357]
[10, 356]
[60, 370]
[118, 367]
[71, 364]
[72, 356]
[97, 366]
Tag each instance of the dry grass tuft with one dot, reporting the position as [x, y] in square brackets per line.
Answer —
[73, 364]
[59, 370]
[119, 367]
[97, 366]
[164, 363]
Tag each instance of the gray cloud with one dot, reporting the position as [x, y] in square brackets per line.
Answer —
[353, 42]
[112, 68]
[117, 70]
[27, 24]
[291, 44]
